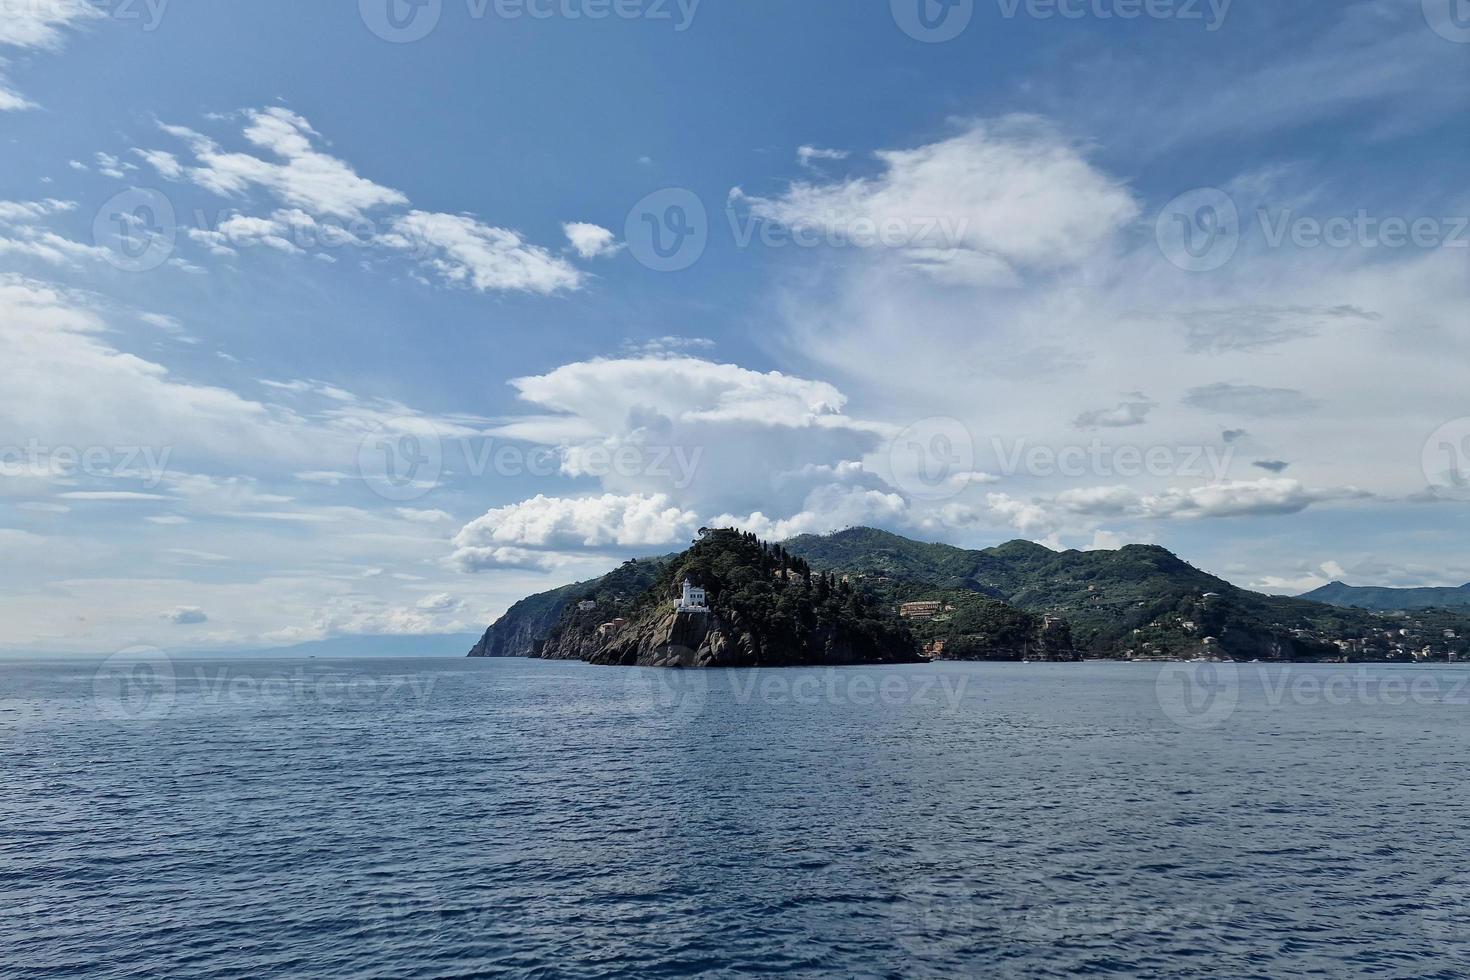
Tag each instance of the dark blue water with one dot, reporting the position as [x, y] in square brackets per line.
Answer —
[467, 818]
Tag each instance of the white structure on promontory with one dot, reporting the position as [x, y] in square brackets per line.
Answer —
[691, 600]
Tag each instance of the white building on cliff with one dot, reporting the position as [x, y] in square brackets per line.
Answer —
[691, 600]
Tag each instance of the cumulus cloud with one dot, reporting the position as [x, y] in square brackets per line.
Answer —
[441, 602]
[826, 509]
[591, 241]
[473, 559]
[572, 523]
[1001, 199]
[686, 426]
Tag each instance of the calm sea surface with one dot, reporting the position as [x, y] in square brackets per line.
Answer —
[462, 818]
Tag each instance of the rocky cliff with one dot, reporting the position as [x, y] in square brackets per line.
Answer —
[520, 632]
[676, 639]
[765, 610]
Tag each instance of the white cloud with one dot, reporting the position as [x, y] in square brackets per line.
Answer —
[571, 523]
[329, 204]
[40, 24]
[473, 559]
[1231, 499]
[666, 346]
[1002, 199]
[1105, 541]
[26, 238]
[29, 212]
[827, 509]
[11, 100]
[463, 251]
[241, 231]
[690, 427]
[591, 241]
[301, 175]
[441, 602]
[114, 496]
[806, 154]
[110, 166]
[167, 165]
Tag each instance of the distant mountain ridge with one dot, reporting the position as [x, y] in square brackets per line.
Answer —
[1016, 601]
[1384, 599]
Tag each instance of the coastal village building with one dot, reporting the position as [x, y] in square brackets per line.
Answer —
[920, 610]
[691, 600]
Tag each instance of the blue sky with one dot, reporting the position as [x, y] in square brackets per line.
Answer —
[407, 349]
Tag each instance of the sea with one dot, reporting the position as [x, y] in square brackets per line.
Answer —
[164, 817]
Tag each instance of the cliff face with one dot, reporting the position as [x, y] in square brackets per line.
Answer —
[520, 632]
[674, 639]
